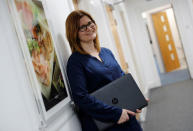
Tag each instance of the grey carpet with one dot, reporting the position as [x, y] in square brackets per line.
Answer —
[171, 108]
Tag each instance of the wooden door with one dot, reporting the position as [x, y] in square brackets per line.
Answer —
[165, 40]
[75, 3]
[113, 26]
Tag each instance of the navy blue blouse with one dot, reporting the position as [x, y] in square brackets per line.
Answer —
[87, 74]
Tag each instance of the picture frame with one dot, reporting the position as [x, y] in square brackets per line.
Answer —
[42, 60]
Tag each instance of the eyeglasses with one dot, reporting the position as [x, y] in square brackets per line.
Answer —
[90, 24]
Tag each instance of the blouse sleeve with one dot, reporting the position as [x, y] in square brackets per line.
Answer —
[89, 104]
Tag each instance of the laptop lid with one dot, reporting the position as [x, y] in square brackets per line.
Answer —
[123, 93]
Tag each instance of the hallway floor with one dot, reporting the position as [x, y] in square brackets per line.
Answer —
[174, 76]
[171, 108]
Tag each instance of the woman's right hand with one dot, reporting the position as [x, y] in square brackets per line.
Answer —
[125, 116]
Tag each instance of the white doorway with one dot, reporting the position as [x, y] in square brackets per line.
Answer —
[163, 50]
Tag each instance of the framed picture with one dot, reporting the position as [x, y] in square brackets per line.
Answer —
[43, 64]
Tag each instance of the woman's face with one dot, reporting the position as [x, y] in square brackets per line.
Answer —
[87, 30]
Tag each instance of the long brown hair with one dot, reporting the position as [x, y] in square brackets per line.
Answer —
[72, 29]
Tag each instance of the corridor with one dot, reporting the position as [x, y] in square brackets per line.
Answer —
[35, 92]
[171, 108]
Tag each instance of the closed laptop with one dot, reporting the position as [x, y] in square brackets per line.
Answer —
[123, 93]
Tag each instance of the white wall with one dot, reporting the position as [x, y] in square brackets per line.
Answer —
[183, 11]
[120, 16]
[19, 110]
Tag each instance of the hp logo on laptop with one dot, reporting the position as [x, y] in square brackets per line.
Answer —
[115, 101]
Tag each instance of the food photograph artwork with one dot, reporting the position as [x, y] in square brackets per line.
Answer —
[42, 52]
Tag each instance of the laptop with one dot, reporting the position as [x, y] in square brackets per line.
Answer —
[122, 92]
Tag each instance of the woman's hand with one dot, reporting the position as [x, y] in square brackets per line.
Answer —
[138, 111]
[125, 116]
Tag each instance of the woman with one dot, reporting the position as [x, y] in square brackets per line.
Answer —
[89, 68]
